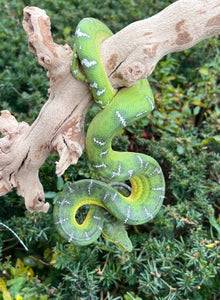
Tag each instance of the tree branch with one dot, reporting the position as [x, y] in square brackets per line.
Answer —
[133, 52]
[59, 126]
[128, 56]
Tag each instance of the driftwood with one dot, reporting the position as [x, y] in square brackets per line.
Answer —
[128, 56]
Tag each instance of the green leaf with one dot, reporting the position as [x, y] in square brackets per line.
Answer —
[196, 110]
[131, 296]
[213, 141]
[215, 224]
[204, 71]
[60, 183]
[216, 138]
[66, 31]
[174, 115]
[7, 296]
[43, 297]
[15, 285]
[50, 195]
[180, 149]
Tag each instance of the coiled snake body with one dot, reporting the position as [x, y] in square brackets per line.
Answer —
[119, 109]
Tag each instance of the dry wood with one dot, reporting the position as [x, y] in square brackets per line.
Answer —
[128, 56]
[133, 52]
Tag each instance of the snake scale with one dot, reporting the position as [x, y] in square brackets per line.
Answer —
[110, 210]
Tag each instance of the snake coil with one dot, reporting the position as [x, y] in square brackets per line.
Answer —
[109, 209]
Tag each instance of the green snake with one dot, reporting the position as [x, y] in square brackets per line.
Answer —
[110, 210]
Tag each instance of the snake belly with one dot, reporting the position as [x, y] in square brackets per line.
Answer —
[119, 109]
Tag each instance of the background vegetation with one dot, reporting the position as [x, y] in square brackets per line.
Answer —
[176, 255]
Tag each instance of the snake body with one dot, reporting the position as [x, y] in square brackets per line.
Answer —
[109, 209]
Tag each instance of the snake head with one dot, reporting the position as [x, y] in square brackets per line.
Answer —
[115, 232]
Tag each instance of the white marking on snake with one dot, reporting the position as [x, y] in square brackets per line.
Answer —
[106, 195]
[99, 227]
[63, 202]
[94, 85]
[114, 197]
[128, 214]
[71, 237]
[122, 120]
[146, 166]
[158, 189]
[100, 166]
[103, 106]
[89, 187]
[96, 218]
[88, 19]
[98, 142]
[75, 72]
[140, 114]
[87, 236]
[71, 191]
[79, 33]
[151, 102]
[156, 170]
[98, 101]
[103, 153]
[141, 161]
[117, 173]
[61, 221]
[130, 172]
[149, 215]
[88, 63]
[100, 92]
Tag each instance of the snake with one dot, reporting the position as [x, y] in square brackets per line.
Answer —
[110, 209]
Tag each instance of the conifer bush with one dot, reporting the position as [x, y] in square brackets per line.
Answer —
[177, 254]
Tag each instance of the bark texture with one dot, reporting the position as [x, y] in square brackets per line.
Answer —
[128, 56]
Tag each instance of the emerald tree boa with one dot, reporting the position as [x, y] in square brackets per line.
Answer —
[110, 209]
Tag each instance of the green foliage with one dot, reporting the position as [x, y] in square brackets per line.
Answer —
[176, 255]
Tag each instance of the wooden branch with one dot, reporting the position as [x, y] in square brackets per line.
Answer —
[128, 56]
[133, 52]
[59, 126]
